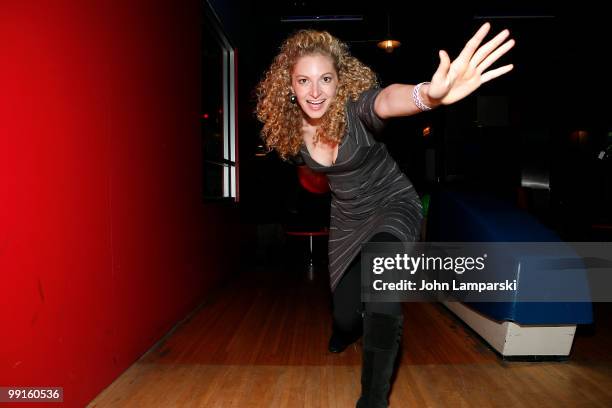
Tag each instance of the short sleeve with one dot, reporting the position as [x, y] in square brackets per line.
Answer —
[296, 160]
[364, 107]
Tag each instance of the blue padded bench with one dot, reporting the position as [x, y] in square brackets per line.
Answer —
[512, 328]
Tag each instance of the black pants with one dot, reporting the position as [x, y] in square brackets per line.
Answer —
[347, 303]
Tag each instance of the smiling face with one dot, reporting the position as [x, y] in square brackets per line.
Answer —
[314, 82]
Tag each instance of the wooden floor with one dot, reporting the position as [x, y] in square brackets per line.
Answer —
[261, 342]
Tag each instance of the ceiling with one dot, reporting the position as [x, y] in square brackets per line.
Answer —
[557, 50]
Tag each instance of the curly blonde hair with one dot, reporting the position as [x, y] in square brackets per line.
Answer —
[283, 120]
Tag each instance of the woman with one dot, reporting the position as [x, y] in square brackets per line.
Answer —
[320, 105]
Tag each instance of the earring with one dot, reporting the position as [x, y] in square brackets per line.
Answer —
[293, 99]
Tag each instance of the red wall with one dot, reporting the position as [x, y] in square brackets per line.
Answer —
[104, 240]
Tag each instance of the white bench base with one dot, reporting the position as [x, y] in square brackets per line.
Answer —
[511, 339]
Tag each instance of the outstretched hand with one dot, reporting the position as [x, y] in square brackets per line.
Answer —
[455, 80]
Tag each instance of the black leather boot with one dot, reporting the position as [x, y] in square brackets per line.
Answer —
[340, 340]
[381, 338]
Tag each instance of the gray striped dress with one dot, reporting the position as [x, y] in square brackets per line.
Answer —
[370, 194]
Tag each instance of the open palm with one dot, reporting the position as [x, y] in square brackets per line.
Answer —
[455, 80]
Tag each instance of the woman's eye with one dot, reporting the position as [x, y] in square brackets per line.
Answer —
[301, 81]
[327, 79]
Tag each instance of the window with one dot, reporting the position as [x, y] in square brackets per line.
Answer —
[218, 115]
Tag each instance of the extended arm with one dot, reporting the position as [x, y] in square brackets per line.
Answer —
[452, 81]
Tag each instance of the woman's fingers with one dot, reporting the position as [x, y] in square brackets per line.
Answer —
[440, 81]
[455, 80]
[494, 56]
[444, 66]
[494, 73]
[472, 45]
[488, 48]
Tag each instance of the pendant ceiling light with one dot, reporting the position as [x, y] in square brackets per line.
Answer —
[389, 44]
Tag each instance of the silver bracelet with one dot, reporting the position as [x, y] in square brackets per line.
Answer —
[416, 97]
